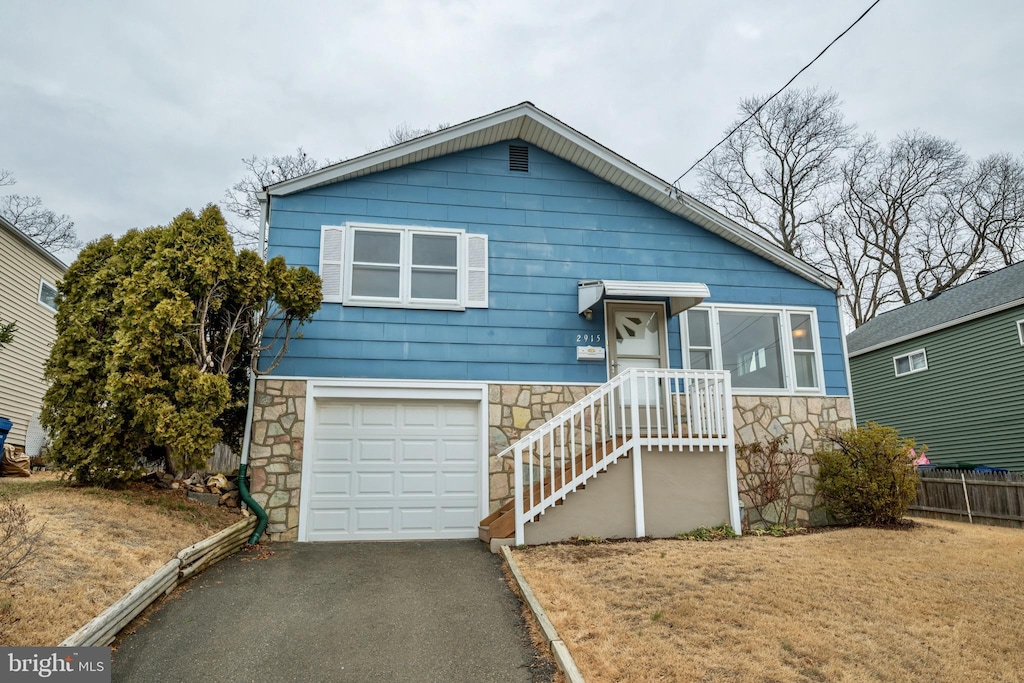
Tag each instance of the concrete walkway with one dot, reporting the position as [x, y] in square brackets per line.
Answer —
[413, 611]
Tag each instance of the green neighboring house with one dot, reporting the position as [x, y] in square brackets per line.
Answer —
[949, 371]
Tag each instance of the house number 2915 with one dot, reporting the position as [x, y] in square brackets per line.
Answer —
[588, 339]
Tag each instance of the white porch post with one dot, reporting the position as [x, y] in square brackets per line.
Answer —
[730, 460]
[638, 470]
[517, 473]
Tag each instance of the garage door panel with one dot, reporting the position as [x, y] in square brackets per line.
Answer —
[374, 484]
[335, 414]
[418, 519]
[376, 451]
[378, 415]
[332, 484]
[420, 450]
[417, 483]
[394, 469]
[421, 415]
[460, 518]
[373, 520]
[458, 483]
[459, 416]
[461, 452]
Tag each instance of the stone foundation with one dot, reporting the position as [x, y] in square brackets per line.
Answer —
[513, 411]
[275, 453]
[799, 419]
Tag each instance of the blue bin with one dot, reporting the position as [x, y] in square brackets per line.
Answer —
[5, 427]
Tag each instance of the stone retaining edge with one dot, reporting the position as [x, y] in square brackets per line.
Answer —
[104, 628]
[559, 651]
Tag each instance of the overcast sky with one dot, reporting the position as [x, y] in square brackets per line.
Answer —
[122, 114]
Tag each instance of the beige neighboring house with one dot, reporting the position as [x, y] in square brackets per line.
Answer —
[28, 289]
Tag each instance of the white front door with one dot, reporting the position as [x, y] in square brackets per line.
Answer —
[637, 339]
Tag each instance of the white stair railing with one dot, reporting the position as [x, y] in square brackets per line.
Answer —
[657, 408]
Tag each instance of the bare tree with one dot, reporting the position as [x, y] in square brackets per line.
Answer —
[779, 172]
[990, 203]
[892, 198]
[50, 230]
[403, 132]
[261, 172]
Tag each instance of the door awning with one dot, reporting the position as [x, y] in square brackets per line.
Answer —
[680, 295]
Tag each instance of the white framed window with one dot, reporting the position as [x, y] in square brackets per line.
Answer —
[909, 363]
[48, 295]
[393, 266]
[1020, 331]
[768, 350]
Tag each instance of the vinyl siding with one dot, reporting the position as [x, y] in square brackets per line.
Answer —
[21, 362]
[967, 407]
[547, 230]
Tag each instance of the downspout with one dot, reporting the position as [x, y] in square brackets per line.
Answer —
[243, 486]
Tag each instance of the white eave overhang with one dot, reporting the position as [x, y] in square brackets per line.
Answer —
[680, 295]
[532, 125]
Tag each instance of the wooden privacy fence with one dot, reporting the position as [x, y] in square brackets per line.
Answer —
[993, 498]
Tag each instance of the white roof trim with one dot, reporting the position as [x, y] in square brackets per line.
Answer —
[941, 326]
[528, 123]
[681, 295]
[32, 244]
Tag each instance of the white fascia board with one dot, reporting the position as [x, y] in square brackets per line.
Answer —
[935, 328]
[32, 244]
[584, 150]
[391, 155]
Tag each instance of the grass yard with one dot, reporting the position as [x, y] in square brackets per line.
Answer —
[939, 602]
[96, 546]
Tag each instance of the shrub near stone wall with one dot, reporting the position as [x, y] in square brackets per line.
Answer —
[799, 419]
[275, 455]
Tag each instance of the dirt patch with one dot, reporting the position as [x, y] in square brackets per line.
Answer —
[938, 601]
[97, 545]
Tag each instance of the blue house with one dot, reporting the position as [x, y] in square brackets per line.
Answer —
[525, 335]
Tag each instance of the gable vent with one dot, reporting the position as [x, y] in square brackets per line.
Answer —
[519, 158]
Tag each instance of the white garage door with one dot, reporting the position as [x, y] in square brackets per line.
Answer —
[389, 470]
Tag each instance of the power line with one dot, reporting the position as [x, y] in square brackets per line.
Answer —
[776, 93]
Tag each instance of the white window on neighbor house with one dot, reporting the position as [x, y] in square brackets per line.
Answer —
[403, 267]
[1020, 331]
[909, 363]
[48, 295]
[768, 350]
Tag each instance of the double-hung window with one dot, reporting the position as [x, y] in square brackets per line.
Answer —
[403, 267]
[767, 350]
[1020, 331]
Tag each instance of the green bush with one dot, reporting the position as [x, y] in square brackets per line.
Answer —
[866, 475]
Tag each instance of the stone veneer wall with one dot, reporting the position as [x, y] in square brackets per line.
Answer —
[275, 453]
[513, 411]
[279, 414]
[799, 419]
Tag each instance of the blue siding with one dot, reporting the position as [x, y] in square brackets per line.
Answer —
[547, 229]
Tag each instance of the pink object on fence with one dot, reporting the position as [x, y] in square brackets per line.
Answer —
[920, 459]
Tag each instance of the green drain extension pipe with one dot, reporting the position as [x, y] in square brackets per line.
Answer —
[243, 487]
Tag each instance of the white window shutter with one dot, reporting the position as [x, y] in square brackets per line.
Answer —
[332, 261]
[476, 271]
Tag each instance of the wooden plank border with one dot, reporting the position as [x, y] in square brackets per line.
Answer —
[104, 628]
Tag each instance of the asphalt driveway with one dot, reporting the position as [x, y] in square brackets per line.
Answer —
[411, 611]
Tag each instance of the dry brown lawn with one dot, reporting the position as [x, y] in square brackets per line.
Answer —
[940, 602]
[96, 546]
